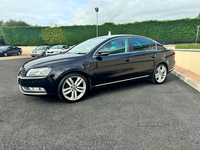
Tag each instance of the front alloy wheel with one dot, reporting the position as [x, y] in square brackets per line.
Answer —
[44, 54]
[73, 87]
[5, 54]
[160, 74]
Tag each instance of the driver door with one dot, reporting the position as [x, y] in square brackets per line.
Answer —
[116, 65]
[9, 52]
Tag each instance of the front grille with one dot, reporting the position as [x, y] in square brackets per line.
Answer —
[22, 72]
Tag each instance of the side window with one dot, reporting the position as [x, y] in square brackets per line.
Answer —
[116, 46]
[143, 44]
[160, 47]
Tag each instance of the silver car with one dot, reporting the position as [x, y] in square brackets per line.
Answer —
[40, 51]
[56, 49]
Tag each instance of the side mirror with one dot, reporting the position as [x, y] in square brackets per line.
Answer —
[102, 53]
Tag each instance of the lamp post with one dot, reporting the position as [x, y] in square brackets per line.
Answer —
[197, 33]
[97, 9]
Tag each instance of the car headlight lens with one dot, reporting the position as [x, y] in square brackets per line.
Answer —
[39, 72]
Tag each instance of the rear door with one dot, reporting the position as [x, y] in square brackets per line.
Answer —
[14, 50]
[144, 56]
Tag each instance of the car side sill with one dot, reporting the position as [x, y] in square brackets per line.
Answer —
[121, 80]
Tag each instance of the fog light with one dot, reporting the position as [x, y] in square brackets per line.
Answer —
[33, 89]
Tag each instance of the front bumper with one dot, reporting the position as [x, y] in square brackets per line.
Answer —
[36, 54]
[1, 54]
[30, 90]
[33, 55]
[36, 85]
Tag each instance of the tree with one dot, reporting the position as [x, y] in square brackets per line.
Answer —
[198, 16]
[11, 23]
[2, 42]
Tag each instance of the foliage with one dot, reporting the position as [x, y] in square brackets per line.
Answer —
[11, 23]
[198, 16]
[23, 35]
[52, 36]
[1, 34]
[179, 30]
[187, 47]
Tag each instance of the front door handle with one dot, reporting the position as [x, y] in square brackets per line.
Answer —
[127, 59]
[153, 56]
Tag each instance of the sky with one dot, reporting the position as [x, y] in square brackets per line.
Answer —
[82, 12]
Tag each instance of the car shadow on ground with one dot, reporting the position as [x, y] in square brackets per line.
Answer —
[111, 89]
[120, 87]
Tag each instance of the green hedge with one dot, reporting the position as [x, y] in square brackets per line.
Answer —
[180, 30]
[23, 35]
[187, 47]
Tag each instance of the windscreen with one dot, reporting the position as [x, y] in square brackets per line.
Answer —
[56, 47]
[87, 46]
[40, 48]
[3, 47]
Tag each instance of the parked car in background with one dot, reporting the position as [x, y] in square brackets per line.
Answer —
[56, 49]
[40, 51]
[94, 63]
[10, 50]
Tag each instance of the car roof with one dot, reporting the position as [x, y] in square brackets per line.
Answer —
[124, 35]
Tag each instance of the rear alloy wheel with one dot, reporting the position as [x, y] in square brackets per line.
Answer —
[18, 53]
[160, 74]
[73, 87]
[5, 54]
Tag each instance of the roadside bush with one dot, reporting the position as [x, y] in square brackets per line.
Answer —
[187, 47]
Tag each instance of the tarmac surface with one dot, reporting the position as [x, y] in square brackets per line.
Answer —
[132, 115]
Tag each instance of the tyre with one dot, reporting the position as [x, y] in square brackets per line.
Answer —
[44, 54]
[73, 87]
[160, 74]
[5, 54]
[18, 53]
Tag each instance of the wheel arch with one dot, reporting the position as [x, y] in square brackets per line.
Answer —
[164, 63]
[75, 71]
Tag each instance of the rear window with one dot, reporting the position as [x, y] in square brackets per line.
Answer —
[143, 44]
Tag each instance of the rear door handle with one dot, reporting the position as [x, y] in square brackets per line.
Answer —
[127, 59]
[153, 56]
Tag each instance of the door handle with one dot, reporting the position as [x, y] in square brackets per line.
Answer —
[127, 59]
[153, 56]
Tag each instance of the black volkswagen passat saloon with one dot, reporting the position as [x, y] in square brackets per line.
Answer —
[96, 62]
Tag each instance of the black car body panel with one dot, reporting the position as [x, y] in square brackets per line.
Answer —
[99, 70]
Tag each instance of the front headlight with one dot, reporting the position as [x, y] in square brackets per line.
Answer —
[39, 72]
